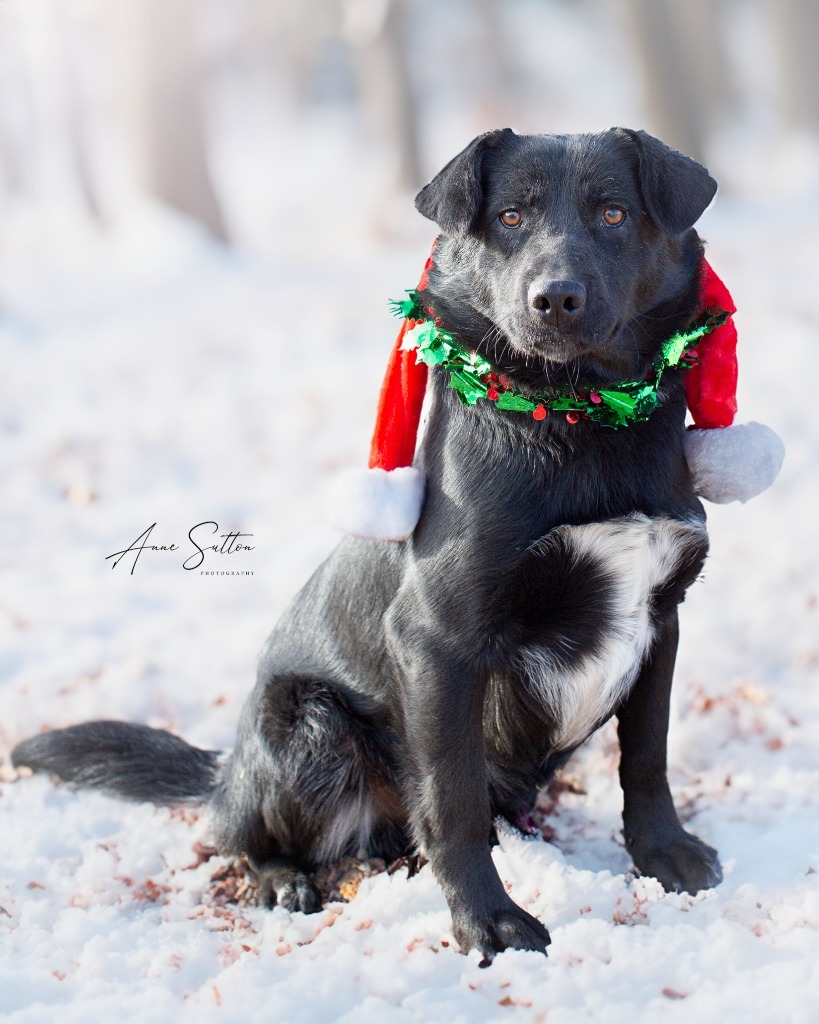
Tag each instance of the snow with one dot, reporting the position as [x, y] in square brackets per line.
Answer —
[151, 377]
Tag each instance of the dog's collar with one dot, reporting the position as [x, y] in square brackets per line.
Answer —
[473, 378]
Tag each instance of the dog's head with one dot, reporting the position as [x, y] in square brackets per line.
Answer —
[568, 249]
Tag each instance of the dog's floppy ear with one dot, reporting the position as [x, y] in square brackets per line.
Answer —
[453, 198]
[676, 189]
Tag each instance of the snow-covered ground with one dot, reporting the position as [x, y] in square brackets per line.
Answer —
[149, 377]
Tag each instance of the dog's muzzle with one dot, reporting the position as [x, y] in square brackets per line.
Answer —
[556, 303]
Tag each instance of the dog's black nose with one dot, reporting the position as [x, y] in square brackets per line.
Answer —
[557, 302]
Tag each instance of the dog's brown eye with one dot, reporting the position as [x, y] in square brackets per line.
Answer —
[614, 215]
[511, 218]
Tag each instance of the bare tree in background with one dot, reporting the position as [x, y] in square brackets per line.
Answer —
[376, 33]
[685, 85]
[796, 29]
[293, 36]
[65, 141]
[76, 102]
[493, 67]
[157, 42]
[43, 144]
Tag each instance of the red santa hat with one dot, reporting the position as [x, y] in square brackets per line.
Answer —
[727, 463]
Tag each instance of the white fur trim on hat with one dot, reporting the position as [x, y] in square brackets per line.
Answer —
[733, 463]
[377, 504]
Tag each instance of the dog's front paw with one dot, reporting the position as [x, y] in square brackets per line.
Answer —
[682, 864]
[507, 928]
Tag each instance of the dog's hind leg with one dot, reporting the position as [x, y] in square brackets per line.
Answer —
[309, 782]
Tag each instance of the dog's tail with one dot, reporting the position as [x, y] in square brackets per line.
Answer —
[130, 761]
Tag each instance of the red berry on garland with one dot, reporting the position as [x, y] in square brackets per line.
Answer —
[572, 417]
[539, 413]
[492, 394]
[595, 398]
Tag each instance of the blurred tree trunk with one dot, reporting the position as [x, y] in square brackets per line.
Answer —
[494, 66]
[702, 52]
[376, 33]
[796, 29]
[298, 33]
[17, 114]
[77, 100]
[44, 149]
[679, 55]
[164, 87]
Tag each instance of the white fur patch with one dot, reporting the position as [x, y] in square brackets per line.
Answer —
[637, 555]
[350, 830]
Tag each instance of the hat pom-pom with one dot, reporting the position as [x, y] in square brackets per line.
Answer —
[733, 463]
[377, 504]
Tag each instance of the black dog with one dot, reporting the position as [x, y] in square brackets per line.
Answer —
[415, 690]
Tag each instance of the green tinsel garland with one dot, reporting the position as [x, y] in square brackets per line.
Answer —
[617, 405]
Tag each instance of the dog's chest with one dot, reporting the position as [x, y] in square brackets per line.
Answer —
[591, 620]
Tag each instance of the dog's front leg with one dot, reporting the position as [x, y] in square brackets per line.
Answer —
[443, 710]
[656, 840]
